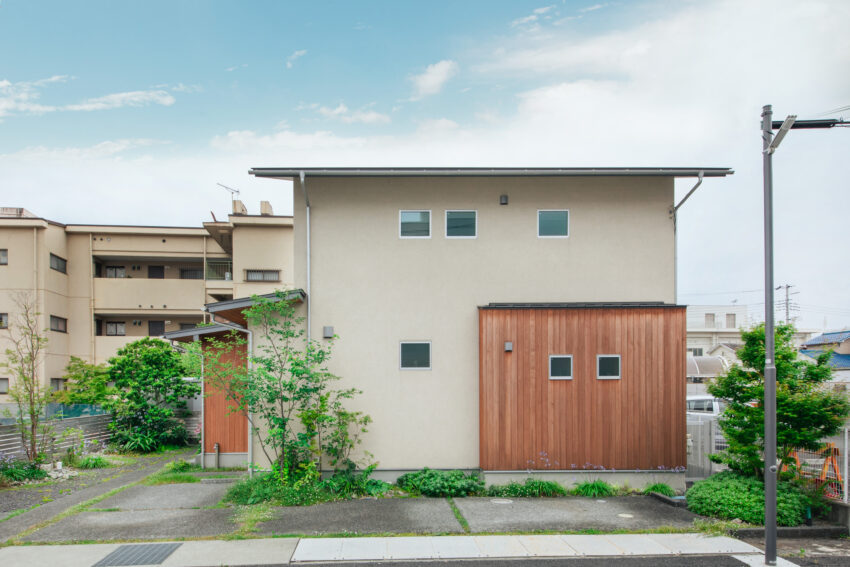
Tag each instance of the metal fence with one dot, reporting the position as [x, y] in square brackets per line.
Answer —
[94, 428]
[8, 412]
[827, 467]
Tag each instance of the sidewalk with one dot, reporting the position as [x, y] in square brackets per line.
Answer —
[282, 551]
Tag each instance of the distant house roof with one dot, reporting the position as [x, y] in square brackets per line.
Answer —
[706, 366]
[828, 338]
[836, 361]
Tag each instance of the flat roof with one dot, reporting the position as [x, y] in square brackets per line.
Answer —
[295, 172]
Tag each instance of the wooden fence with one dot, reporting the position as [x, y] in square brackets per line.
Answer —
[94, 429]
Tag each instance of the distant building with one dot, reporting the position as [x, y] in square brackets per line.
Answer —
[712, 325]
[839, 343]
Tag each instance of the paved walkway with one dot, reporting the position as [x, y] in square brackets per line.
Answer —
[282, 551]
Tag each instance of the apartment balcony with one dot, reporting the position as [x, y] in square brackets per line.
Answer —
[137, 295]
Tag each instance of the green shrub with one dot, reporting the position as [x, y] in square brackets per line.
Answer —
[441, 483]
[594, 489]
[267, 487]
[14, 470]
[171, 478]
[93, 462]
[532, 487]
[728, 496]
[347, 482]
[660, 488]
[182, 466]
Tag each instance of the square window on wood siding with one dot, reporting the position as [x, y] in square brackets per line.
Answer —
[58, 324]
[415, 356]
[58, 264]
[608, 366]
[560, 367]
[414, 224]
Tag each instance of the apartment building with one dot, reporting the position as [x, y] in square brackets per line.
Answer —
[713, 325]
[98, 287]
[497, 318]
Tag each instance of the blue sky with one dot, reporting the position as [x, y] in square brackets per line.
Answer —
[131, 112]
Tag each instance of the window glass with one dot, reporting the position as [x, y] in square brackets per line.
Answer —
[415, 224]
[608, 366]
[560, 366]
[4, 320]
[58, 264]
[262, 275]
[156, 328]
[116, 272]
[58, 324]
[552, 223]
[461, 224]
[57, 384]
[115, 328]
[416, 355]
[4, 256]
[191, 273]
[730, 321]
[4, 385]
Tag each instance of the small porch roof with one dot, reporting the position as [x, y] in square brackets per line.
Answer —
[231, 309]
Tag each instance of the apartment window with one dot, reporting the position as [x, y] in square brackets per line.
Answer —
[116, 328]
[186, 326]
[4, 256]
[415, 356]
[695, 351]
[262, 275]
[730, 321]
[58, 324]
[4, 385]
[414, 224]
[4, 320]
[560, 367]
[116, 272]
[608, 366]
[461, 224]
[709, 320]
[553, 223]
[192, 273]
[57, 384]
[156, 328]
[58, 264]
[154, 272]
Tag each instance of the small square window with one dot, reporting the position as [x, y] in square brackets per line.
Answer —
[4, 256]
[560, 367]
[4, 385]
[59, 324]
[461, 224]
[262, 275]
[57, 384]
[608, 366]
[116, 328]
[415, 356]
[414, 224]
[4, 320]
[58, 264]
[553, 223]
[731, 323]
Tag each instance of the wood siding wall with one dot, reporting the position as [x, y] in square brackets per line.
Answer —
[530, 421]
[229, 430]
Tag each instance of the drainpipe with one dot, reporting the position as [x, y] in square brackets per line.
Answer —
[203, 408]
[249, 366]
[309, 291]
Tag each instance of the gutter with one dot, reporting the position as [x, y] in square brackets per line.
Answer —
[289, 173]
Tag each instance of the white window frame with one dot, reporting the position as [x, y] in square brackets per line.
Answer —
[446, 218]
[430, 223]
[619, 363]
[572, 368]
[567, 235]
[430, 355]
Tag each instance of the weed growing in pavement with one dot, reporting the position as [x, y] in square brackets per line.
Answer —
[531, 488]
[594, 489]
[660, 488]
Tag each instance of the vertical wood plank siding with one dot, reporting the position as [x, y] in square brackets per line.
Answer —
[229, 430]
[528, 421]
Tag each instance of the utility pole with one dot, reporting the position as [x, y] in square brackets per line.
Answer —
[787, 288]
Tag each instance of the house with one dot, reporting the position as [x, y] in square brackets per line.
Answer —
[839, 343]
[501, 319]
[99, 287]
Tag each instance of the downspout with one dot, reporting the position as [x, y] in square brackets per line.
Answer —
[249, 366]
[203, 408]
[92, 339]
[309, 291]
[673, 211]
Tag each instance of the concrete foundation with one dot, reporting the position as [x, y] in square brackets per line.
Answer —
[840, 514]
[635, 479]
[225, 460]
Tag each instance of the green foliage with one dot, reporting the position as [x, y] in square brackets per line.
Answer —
[430, 482]
[192, 359]
[148, 377]
[93, 462]
[729, 495]
[660, 488]
[85, 384]
[14, 470]
[288, 389]
[77, 447]
[171, 478]
[531, 488]
[347, 482]
[805, 412]
[594, 489]
[182, 466]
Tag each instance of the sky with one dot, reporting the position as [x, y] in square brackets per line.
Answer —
[132, 112]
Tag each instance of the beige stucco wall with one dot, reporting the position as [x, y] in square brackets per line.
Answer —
[262, 247]
[377, 289]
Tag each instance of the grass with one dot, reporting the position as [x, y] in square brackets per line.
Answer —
[170, 478]
[19, 512]
[660, 488]
[249, 516]
[456, 511]
[594, 489]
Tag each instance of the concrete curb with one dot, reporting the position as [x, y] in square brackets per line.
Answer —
[795, 532]
[676, 503]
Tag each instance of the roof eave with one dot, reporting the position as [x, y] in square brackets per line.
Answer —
[292, 173]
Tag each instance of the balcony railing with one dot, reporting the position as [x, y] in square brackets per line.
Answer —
[220, 270]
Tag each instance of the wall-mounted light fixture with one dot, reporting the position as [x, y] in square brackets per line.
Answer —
[327, 332]
[503, 199]
[509, 346]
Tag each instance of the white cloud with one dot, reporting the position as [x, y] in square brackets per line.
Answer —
[118, 100]
[593, 8]
[234, 67]
[530, 22]
[181, 88]
[106, 149]
[433, 79]
[295, 55]
[331, 112]
[342, 113]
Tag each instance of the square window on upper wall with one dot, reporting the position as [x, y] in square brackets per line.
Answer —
[58, 264]
[4, 256]
[59, 324]
[553, 223]
[608, 366]
[414, 224]
[560, 367]
[461, 224]
[415, 355]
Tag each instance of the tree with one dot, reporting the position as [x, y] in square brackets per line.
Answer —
[23, 360]
[805, 411]
[148, 377]
[85, 383]
[288, 389]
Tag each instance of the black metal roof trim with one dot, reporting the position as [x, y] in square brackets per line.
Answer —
[205, 330]
[289, 172]
[582, 305]
[248, 301]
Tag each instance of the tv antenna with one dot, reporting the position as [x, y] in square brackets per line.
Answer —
[233, 192]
